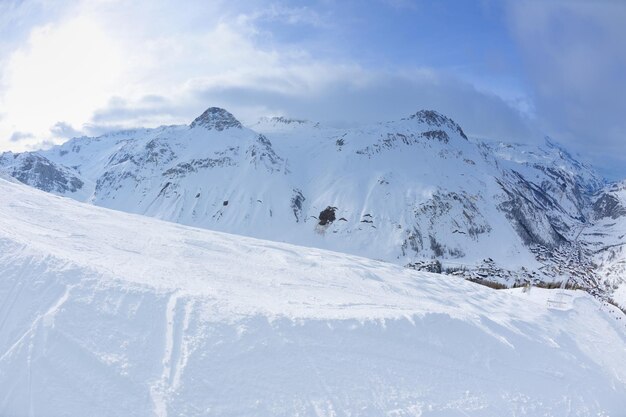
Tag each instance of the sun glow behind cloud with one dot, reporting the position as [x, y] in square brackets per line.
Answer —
[90, 66]
[105, 64]
[63, 73]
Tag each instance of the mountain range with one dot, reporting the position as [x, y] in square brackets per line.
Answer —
[415, 191]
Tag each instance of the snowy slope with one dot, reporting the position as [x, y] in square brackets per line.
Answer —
[104, 313]
[401, 191]
[606, 238]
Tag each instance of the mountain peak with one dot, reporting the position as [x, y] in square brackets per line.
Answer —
[434, 118]
[216, 118]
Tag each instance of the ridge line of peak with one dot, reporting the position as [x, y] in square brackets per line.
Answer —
[434, 118]
[216, 118]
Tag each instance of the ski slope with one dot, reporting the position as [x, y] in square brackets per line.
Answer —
[104, 313]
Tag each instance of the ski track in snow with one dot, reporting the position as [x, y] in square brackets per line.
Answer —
[176, 351]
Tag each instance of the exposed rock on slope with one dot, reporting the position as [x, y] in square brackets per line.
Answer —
[216, 118]
[39, 172]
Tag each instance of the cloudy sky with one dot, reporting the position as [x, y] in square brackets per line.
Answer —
[509, 70]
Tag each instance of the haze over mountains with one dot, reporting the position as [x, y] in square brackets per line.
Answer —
[405, 191]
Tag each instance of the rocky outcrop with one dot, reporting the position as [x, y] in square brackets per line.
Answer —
[261, 153]
[608, 205]
[297, 201]
[39, 172]
[216, 118]
[433, 118]
[327, 216]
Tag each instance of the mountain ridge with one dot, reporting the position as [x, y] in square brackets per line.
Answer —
[404, 191]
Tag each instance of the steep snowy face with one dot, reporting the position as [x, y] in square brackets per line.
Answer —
[611, 202]
[164, 171]
[553, 171]
[104, 313]
[606, 238]
[548, 193]
[400, 191]
[549, 201]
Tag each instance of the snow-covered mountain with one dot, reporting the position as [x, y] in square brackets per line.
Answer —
[404, 191]
[104, 313]
[606, 238]
[39, 172]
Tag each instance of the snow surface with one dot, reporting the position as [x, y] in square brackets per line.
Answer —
[104, 313]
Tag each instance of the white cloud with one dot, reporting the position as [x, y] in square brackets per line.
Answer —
[102, 66]
[576, 60]
[352, 95]
[289, 15]
[18, 136]
[64, 130]
[63, 72]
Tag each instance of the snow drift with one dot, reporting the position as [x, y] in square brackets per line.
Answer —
[104, 313]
